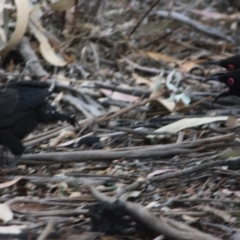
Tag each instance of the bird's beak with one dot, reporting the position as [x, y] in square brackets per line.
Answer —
[212, 62]
[214, 77]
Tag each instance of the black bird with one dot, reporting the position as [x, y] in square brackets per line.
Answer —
[23, 106]
[230, 63]
[231, 79]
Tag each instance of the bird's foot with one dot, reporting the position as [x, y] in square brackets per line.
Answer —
[14, 162]
[7, 159]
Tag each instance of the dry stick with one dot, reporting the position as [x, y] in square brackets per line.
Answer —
[51, 213]
[123, 104]
[137, 66]
[47, 202]
[29, 55]
[132, 91]
[121, 112]
[98, 155]
[155, 70]
[236, 235]
[38, 180]
[183, 227]
[127, 153]
[196, 25]
[47, 230]
[135, 185]
[200, 144]
[30, 138]
[191, 106]
[44, 137]
[191, 170]
[49, 134]
[77, 104]
[210, 140]
[61, 202]
[141, 132]
[205, 200]
[192, 144]
[160, 225]
[179, 174]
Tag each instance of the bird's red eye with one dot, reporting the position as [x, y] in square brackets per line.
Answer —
[230, 66]
[230, 81]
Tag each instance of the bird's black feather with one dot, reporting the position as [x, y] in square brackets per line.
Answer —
[230, 63]
[23, 106]
[231, 79]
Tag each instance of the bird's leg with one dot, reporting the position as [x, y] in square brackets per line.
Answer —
[16, 150]
[5, 160]
[2, 160]
[14, 162]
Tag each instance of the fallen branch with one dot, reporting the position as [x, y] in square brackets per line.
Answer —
[131, 153]
[196, 25]
[162, 225]
[189, 170]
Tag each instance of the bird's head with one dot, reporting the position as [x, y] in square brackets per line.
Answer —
[231, 79]
[222, 63]
[230, 63]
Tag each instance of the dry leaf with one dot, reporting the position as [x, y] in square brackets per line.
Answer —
[232, 122]
[189, 219]
[75, 194]
[229, 154]
[188, 65]
[119, 96]
[220, 213]
[152, 204]
[169, 105]
[217, 16]
[127, 195]
[61, 5]
[63, 134]
[6, 213]
[158, 172]
[158, 56]
[21, 25]
[9, 183]
[45, 48]
[13, 229]
[142, 80]
[227, 192]
[188, 123]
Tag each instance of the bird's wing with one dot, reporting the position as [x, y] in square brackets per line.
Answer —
[19, 99]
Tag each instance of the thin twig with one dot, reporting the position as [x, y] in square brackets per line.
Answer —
[196, 25]
[141, 19]
[47, 230]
